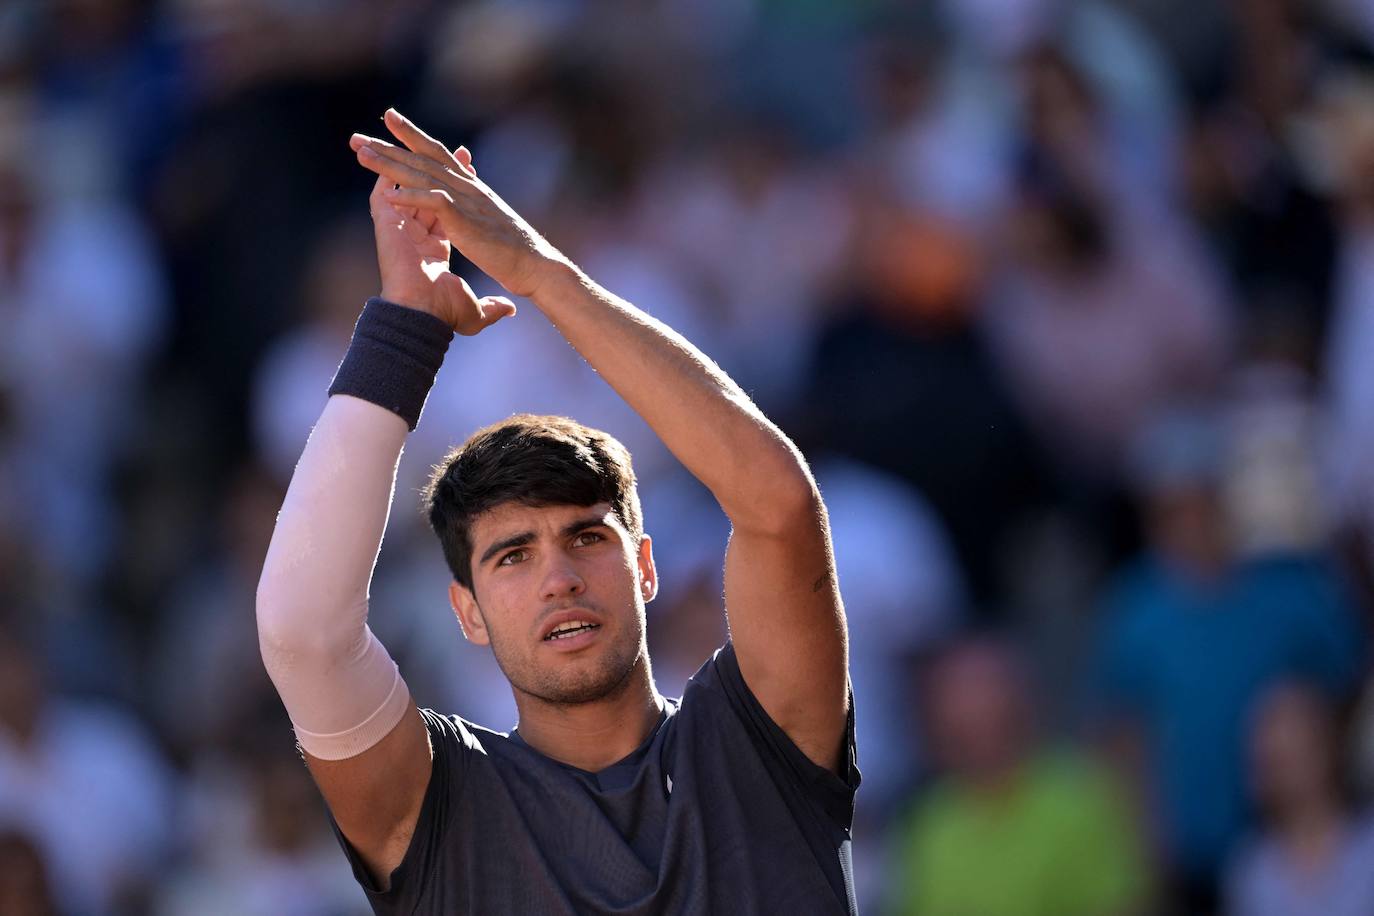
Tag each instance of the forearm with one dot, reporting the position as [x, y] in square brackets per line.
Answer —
[312, 597]
[706, 420]
[756, 474]
[339, 686]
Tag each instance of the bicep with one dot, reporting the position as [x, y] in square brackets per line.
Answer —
[788, 627]
[375, 797]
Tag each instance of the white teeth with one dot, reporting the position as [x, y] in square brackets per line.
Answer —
[571, 627]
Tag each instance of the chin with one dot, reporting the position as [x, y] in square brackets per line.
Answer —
[580, 681]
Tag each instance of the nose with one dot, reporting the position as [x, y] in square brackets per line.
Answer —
[561, 580]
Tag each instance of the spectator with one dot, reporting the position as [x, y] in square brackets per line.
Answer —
[77, 331]
[84, 781]
[24, 886]
[1254, 187]
[291, 378]
[259, 844]
[901, 380]
[206, 656]
[1103, 309]
[1193, 635]
[1349, 139]
[1314, 855]
[1361, 754]
[1012, 827]
[741, 217]
[899, 609]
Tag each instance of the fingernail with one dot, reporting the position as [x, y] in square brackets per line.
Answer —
[367, 151]
[391, 192]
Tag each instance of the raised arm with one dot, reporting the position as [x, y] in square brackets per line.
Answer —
[786, 618]
[364, 740]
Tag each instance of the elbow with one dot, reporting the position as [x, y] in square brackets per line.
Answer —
[293, 626]
[281, 629]
[276, 607]
[790, 501]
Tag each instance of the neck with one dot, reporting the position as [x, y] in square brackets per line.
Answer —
[1311, 835]
[592, 736]
[996, 781]
[1201, 569]
[1316, 818]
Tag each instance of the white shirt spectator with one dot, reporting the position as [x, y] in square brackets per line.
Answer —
[94, 794]
[1265, 881]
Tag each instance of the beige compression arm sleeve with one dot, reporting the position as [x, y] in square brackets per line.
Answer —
[341, 689]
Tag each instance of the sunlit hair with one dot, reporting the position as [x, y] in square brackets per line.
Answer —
[531, 460]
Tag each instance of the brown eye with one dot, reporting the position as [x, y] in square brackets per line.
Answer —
[510, 559]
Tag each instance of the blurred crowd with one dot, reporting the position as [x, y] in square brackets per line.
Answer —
[1065, 301]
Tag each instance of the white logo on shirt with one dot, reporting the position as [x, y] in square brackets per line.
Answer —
[669, 779]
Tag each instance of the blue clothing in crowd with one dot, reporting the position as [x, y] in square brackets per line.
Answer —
[1186, 660]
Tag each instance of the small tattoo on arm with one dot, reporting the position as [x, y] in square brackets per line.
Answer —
[820, 583]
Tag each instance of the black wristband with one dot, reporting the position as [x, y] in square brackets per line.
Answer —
[395, 353]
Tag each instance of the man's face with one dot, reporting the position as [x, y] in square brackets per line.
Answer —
[1188, 526]
[558, 593]
[979, 714]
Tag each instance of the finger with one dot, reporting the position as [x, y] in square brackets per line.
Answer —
[447, 172]
[381, 208]
[414, 230]
[406, 213]
[463, 156]
[400, 173]
[436, 201]
[426, 218]
[415, 139]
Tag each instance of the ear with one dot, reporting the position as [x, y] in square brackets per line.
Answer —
[469, 617]
[648, 575]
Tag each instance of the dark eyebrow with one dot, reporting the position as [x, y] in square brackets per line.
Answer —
[515, 540]
[591, 521]
[524, 537]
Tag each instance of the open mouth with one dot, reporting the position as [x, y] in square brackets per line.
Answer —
[570, 629]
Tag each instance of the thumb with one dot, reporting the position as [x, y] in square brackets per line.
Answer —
[494, 308]
[383, 213]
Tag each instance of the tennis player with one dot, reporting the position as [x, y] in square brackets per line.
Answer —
[607, 797]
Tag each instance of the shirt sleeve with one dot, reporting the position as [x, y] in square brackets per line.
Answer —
[452, 744]
[833, 792]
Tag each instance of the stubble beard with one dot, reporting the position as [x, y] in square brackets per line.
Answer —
[609, 677]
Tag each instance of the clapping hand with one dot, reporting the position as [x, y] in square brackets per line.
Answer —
[440, 202]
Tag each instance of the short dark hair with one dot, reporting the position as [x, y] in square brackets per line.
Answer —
[533, 460]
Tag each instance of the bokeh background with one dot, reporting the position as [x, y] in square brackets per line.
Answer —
[1070, 304]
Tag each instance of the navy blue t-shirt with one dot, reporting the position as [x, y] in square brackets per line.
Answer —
[716, 812]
